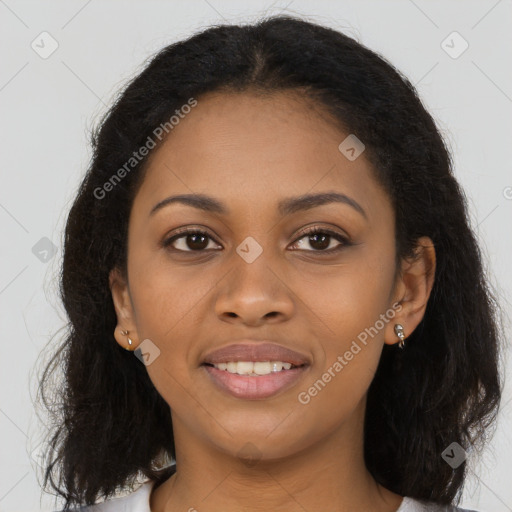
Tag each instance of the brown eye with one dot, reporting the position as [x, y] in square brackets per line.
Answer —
[189, 241]
[321, 239]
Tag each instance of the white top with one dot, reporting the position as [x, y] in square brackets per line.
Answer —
[138, 501]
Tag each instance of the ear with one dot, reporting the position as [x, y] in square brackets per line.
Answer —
[412, 289]
[124, 310]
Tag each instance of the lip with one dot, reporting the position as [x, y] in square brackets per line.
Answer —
[253, 388]
[256, 351]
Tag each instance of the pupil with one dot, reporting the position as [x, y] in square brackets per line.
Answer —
[323, 244]
[194, 237]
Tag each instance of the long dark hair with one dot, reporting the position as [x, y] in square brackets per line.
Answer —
[110, 423]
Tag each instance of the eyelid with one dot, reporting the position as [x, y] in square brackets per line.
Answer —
[180, 232]
[310, 230]
[343, 239]
[320, 229]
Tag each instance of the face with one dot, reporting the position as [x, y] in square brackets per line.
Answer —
[250, 273]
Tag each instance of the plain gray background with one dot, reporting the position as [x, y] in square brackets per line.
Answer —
[49, 104]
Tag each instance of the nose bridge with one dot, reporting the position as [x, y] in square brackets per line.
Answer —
[257, 239]
[253, 288]
[252, 264]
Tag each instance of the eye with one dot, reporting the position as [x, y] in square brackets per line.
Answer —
[320, 239]
[194, 240]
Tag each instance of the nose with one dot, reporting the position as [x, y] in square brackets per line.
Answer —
[254, 294]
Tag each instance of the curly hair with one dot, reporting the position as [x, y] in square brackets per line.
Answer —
[111, 424]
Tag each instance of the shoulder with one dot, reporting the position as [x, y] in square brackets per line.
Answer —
[136, 501]
[414, 505]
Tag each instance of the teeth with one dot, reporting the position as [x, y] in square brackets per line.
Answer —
[253, 368]
[263, 368]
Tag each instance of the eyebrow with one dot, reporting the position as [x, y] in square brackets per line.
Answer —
[285, 207]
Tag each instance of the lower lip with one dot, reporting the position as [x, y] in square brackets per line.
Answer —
[254, 387]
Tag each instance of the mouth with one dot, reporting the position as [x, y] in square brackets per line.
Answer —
[254, 368]
[255, 371]
[254, 386]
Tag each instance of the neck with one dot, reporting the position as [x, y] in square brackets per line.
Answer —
[329, 475]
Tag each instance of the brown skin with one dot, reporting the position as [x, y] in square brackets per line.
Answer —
[249, 152]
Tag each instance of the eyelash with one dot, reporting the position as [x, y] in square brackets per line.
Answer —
[308, 232]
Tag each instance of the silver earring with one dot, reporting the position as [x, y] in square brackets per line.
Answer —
[125, 333]
[399, 331]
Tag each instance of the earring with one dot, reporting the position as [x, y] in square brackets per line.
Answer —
[399, 331]
[125, 333]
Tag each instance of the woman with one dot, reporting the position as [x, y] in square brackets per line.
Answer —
[271, 225]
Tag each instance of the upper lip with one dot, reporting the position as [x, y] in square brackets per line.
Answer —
[255, 351]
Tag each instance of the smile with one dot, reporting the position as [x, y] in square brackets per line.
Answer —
[253, 368]
[254, 380]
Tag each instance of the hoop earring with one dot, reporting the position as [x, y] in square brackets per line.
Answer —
[399, 331]
[129, 347]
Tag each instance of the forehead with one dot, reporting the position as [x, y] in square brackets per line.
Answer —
[250, 147]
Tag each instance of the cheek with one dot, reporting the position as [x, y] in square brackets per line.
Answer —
[166, 298]
[346, 367]
[171, 306]
[351, 299]
[353, 306]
